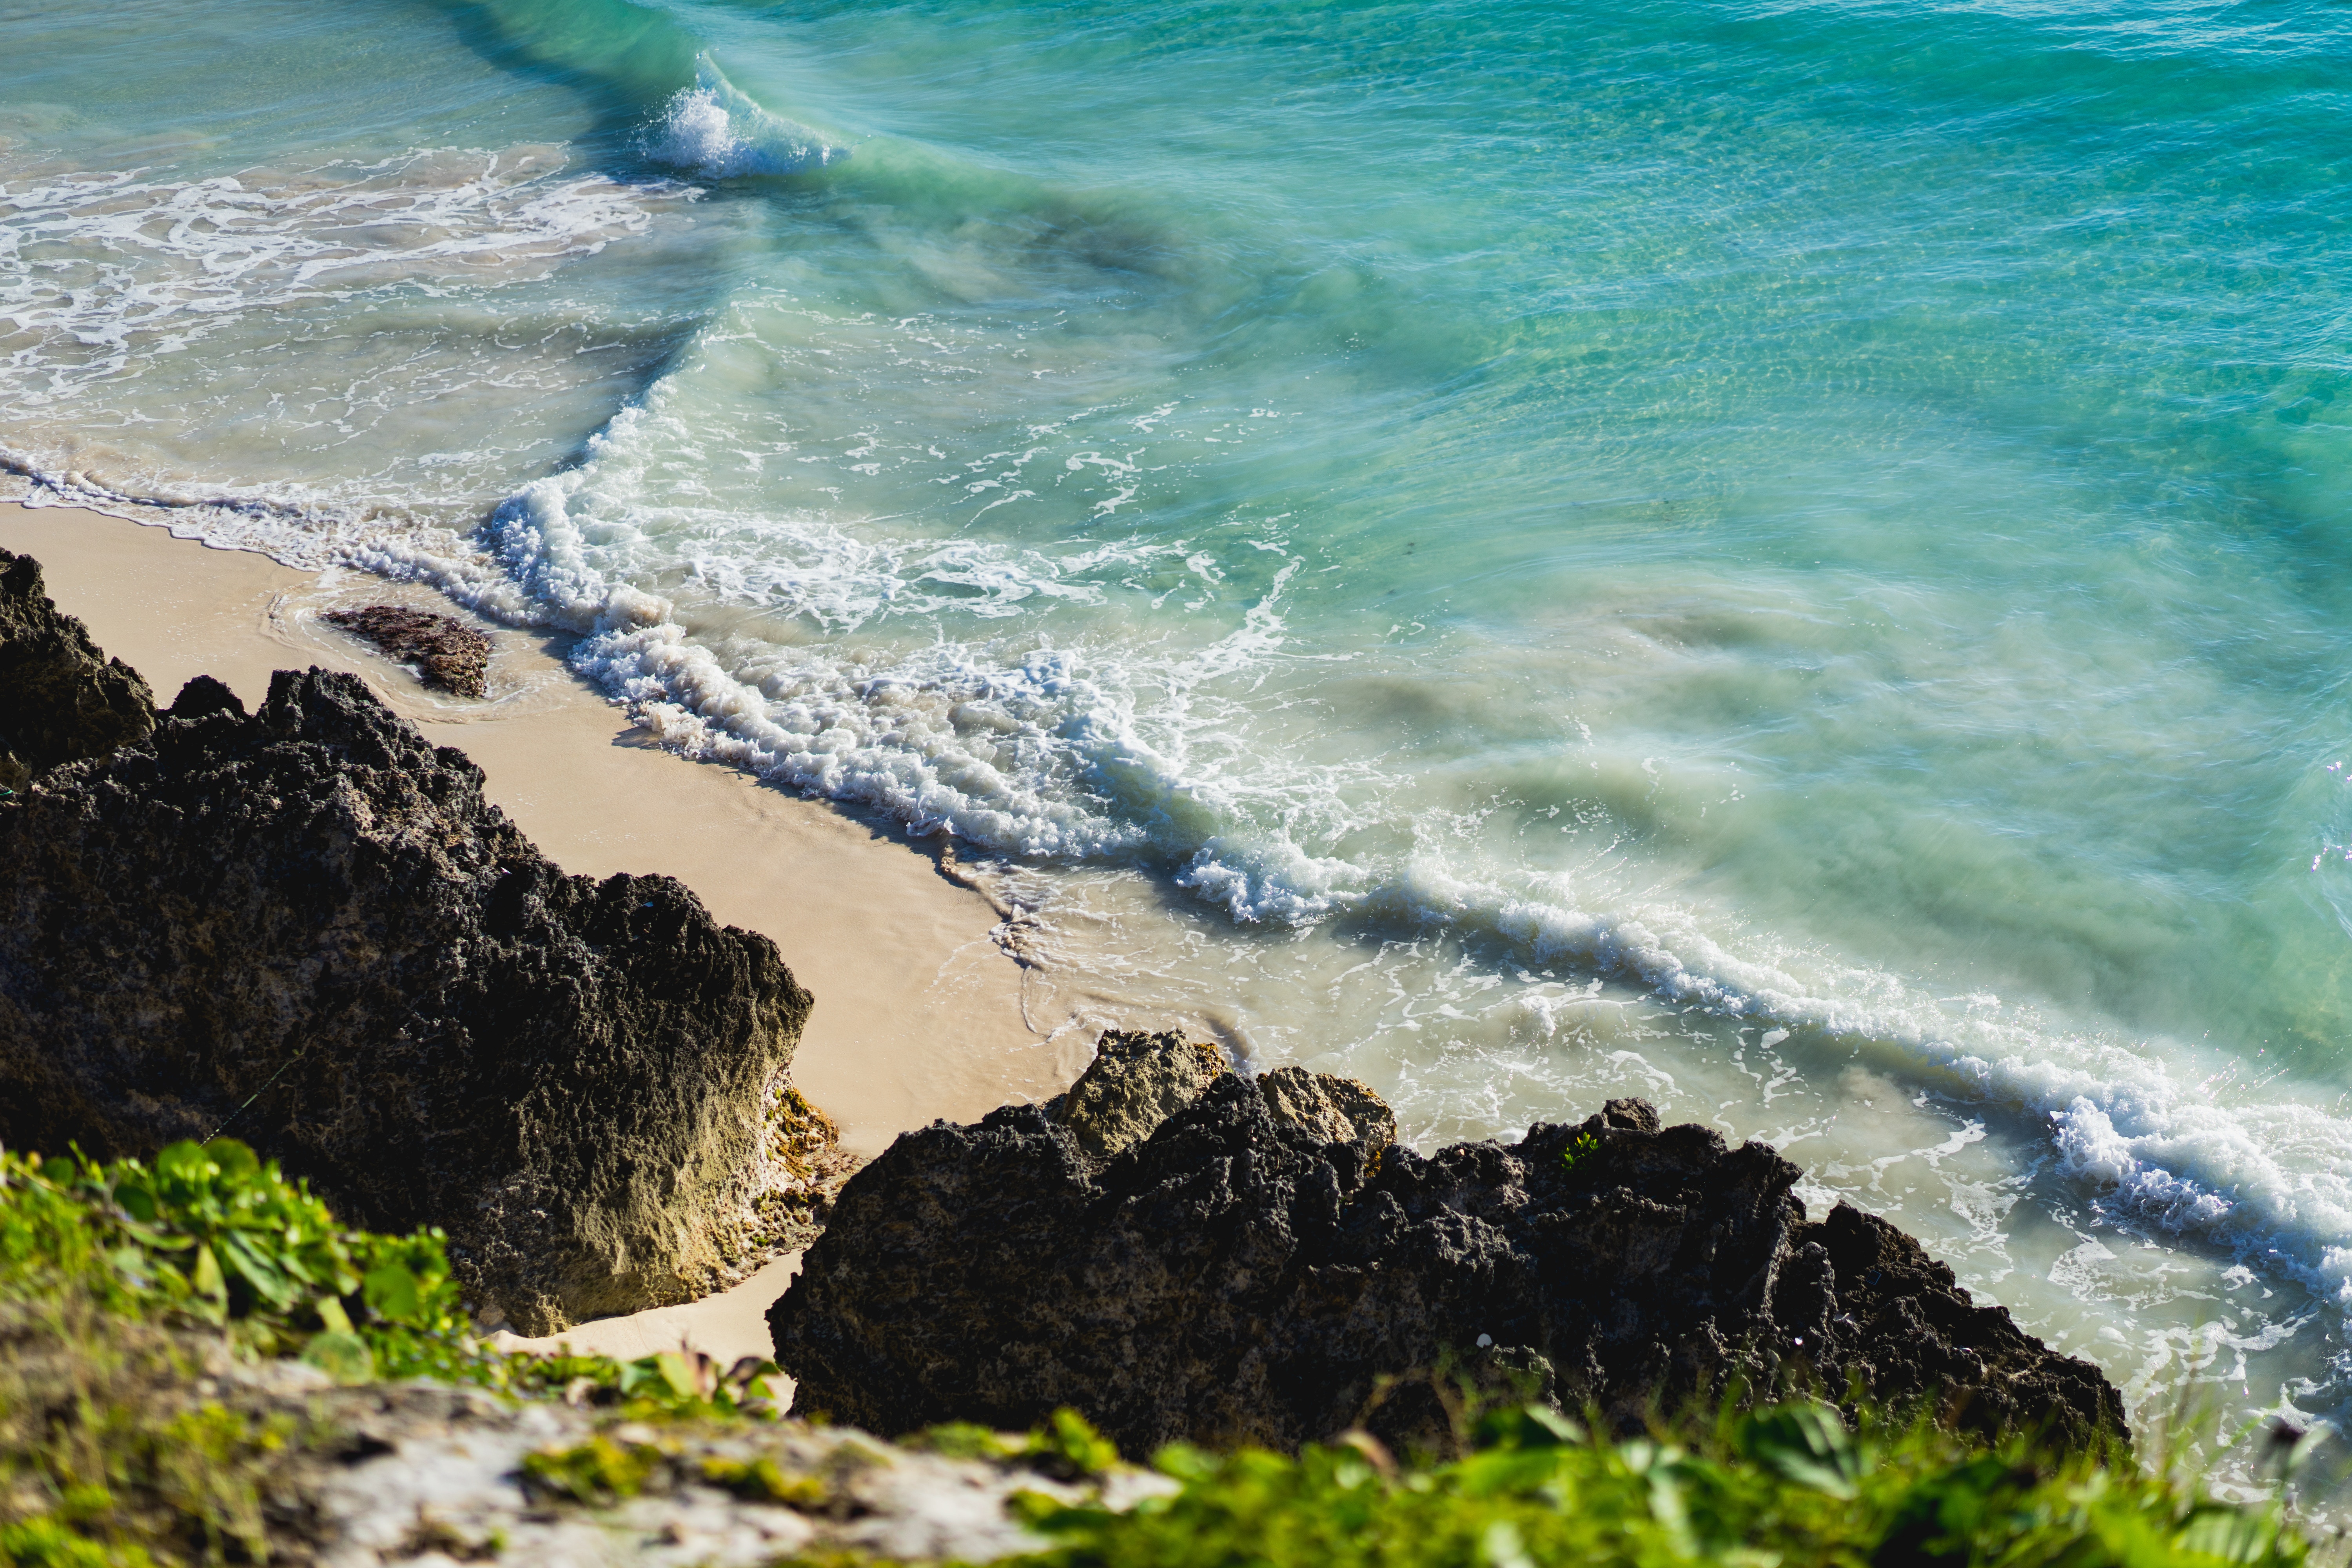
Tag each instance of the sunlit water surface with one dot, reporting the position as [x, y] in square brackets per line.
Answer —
[1790, 557]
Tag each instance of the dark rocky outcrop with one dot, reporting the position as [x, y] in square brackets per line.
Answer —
[446, 652]
[307, 927]
[60, 698]
[1248, 1273]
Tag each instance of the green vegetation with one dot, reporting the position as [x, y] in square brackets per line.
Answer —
[126, 1289]
[209, 1236]
[1788, 1485]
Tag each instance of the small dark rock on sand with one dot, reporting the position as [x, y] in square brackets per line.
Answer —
[448, 653]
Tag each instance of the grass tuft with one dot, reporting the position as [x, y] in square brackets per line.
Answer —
[1786, 1485]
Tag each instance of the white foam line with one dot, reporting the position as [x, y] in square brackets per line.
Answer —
[2120, 1123]
[1006, 754]
[96, 267]
[2118, 1120]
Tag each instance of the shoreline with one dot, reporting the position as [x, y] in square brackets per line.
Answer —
[920, 1014]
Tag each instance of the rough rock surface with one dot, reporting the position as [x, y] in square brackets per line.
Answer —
[1239, 1276]
[431, 1474]
[427, 1474]
[307, 927]
[446, 652]
[1135, 1083]
[60, 698]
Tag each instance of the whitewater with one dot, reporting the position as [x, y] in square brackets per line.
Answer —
[1786, 558]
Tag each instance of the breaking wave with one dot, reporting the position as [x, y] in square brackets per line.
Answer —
[716, 131]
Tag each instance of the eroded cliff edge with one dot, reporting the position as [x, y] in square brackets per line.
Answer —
[60, 697]
[1264, 1263]
[307, 927]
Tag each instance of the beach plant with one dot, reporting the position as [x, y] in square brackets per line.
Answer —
[209, 1236]
[124, 1285]
[1786, 1485]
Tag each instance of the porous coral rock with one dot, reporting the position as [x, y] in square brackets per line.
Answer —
[446, 652]
[424, 1469]
[1241, 1275]
[1136, 1082]
[309, 928]
[1335, 1110]
[427, 1473]
[60, 698]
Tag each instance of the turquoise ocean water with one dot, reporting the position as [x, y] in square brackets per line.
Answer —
[1792, 556]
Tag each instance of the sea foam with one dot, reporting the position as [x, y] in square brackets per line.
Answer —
[1599, 375]
[716, 131]
[1053, 756]
[100, 268]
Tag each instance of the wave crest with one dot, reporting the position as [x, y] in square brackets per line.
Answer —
[716, 130]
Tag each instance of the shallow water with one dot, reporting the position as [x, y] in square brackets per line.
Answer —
[1787, 557]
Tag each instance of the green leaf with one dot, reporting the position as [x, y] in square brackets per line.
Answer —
[676, 1372]
[331, 1313]
[1809, 1445]
[236, 1160]
[1500, 1547]
[2228, 1534]
[1528, 1427]
[268, 1282]
[206, 1280]
[391, 1291]
[156, 1239]
[341, 1355]
[184, 1162]
[1071, 1446]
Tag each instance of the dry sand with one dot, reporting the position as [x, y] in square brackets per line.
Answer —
[919, 1013]
[726, 1327]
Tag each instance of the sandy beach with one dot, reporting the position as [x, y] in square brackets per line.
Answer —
[919, 1013]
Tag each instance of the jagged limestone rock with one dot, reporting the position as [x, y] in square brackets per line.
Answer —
[1135, 1082]
[60, 698]
[1237, 1277]
[1335, 1110]
[309, 928]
